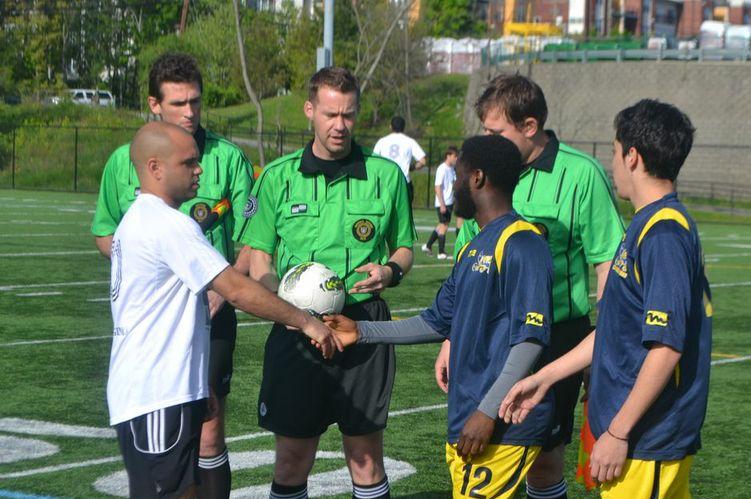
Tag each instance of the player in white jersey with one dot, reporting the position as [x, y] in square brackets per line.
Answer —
[162, 267]
[402, 150]
[445, 175]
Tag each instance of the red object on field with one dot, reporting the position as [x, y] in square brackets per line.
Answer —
[586, 444]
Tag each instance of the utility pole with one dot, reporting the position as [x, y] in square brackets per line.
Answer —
[325, 54]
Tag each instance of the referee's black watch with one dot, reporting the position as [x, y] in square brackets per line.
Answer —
[397, 274]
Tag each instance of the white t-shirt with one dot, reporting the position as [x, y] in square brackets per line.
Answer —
[161, 265]
[445, 176]
[400, 149]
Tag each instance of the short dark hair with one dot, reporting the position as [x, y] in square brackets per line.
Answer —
[340, 79]
[173, 68]
[497, 157]
[517, 96]
[398, 124]
[451, 150]
[661, 133]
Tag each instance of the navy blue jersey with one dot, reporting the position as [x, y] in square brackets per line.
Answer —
[499, 294]
[656, 293]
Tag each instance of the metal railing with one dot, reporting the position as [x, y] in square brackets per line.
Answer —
[620, 55]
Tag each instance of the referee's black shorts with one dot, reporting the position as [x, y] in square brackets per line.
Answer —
[302, 394]
[564, 336]
[223, 338]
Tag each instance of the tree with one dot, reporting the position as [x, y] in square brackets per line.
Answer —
[248, 86]
[451, 18]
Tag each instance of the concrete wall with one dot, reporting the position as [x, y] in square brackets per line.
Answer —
[583, 99]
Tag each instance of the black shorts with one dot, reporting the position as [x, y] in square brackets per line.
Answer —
[302, 394]
[160, 450]
[445, 218]
[410, 192]
[223, 336]
[564, 336]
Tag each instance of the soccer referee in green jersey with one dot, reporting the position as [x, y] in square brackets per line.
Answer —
[175, 87]
[567, 195]
[339, 204]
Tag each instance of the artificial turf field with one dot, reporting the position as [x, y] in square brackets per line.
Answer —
[54, 349]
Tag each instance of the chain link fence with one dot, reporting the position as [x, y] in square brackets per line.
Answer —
[71, 158]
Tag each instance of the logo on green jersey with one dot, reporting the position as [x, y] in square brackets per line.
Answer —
[199, 212]
[363, 230]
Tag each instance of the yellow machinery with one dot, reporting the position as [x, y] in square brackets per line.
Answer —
[527, 28]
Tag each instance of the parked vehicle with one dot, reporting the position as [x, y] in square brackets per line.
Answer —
[87, 96]
[738, 37]
[712, 34]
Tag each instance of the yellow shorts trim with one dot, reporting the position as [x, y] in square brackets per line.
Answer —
[496, 473]
[651, 480]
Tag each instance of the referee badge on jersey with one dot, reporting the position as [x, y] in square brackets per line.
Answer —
[251, 207]
[363, 230]
[199, 212]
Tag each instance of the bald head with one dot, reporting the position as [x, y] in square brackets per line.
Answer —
[156, 139]
[166, 160]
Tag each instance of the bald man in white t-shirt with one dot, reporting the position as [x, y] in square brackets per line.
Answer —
[162, 267]
[402, 150]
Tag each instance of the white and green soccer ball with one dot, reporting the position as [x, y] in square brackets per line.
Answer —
[313, 287]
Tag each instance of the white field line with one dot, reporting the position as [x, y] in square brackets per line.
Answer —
[735, 245]
[238, 438]
[106, 298]
[59, 340]
[43, 222]
[48, 253]
[40, 293]
[13, 287]
[61, 467]
[50, 234]
[731, 361]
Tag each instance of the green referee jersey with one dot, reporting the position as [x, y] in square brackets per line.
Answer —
[359, 217]
[227, 174]
[567, 195]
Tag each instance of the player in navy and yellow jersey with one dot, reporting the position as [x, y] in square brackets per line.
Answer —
[650, 354]
[496, 308]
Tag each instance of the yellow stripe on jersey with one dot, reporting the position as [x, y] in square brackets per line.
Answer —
[708, 309]
[650, 479]
[659, 216]
[461, 251]
[496, 473]
[518, 226]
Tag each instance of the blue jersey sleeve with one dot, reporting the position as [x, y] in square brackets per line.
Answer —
[526, 287]
[666, 271]
[439, 314]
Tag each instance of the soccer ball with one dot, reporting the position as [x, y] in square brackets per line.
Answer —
[313, 287]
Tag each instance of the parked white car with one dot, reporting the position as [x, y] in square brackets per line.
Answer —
[88, 96]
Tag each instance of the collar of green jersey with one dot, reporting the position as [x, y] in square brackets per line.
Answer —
[546, 159]
[353, 165]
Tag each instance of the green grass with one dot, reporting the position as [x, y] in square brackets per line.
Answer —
[64, 382]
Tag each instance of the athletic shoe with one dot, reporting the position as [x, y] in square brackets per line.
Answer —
[426, 250]
[442, 256]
